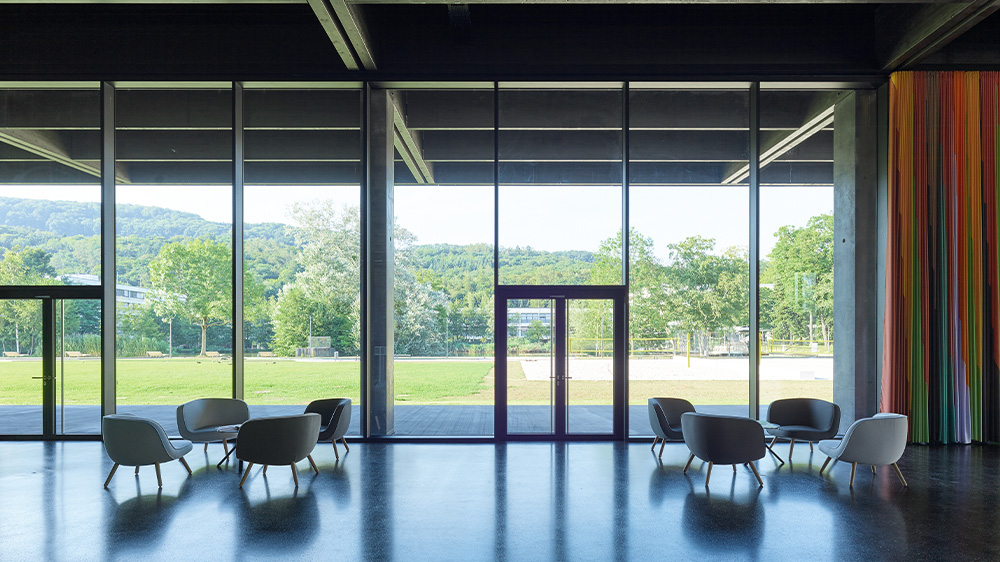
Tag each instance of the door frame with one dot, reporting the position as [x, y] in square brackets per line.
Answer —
[48, 294]
[615, 293]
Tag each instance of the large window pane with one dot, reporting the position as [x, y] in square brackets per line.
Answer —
[173, 249]
[560, 186]
[443, 201]
[50, 187]
[301, 249]
[796, 237]
[688, 250]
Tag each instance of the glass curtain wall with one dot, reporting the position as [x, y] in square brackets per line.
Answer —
[560, 223]
[49, 235]
[688, 249]
[302, 236]
[796, 238]
[173, 248]
[443, 202]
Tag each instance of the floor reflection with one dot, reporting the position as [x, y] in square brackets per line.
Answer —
[284, 525]
[724, 524]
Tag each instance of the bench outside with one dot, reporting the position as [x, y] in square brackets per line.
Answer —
[265, 354]
[212, 354]
[13, 354]
[76, 354]
[154, 354]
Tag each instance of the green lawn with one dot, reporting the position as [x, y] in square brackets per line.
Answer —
[283, 381]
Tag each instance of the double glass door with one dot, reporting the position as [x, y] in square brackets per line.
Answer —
[560, 362]
[50, 370]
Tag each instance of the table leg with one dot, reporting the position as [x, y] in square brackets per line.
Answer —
[225, 458]
[773, 453]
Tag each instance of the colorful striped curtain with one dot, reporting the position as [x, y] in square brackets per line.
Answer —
[942, 335]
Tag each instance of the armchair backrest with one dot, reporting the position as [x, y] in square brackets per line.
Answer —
[279, 439]
[210, 412]
[134, 441]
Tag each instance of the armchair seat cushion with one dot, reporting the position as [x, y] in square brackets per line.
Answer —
[800, 432]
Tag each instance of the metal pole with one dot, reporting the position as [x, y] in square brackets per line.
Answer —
[62, 366]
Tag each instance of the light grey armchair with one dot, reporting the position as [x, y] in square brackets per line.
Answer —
[199, 420]
[875, 441]
[282, 440]
[804, 419]
[719, 439]
[665, 419]
[134, 441]
[336, 418]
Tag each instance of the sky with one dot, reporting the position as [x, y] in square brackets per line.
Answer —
[545, 218]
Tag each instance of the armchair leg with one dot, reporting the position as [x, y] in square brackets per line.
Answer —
[246, 473]
[826, 462]
[344, 441]
[709, 475]
[265, 470]
[137, 471]
[225, 446]
[874, 470]
[691, 458]
[898, 473]
[206, 447]
[115, 467]
[159, 481]
[335, 453]
[734, 469]
[662, 444]
[185, 463]
[757, 474]
[655, 439]
[295, 475]
[810, 446]
[854, 467]
[313, 463]
[791, 446]
[773, 441]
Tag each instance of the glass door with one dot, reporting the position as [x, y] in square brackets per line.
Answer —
[559, 362]
[50, 370]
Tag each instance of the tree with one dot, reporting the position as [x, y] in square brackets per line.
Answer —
[800, 267]
[707, 291]
[21, 320]
[327, 287]
[191, 280]
[647, 282]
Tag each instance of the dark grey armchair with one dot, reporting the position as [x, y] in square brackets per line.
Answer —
[723, 440]
[134, 441]
[665, 419]
[336, 417]
[199, 421]
[281, 440]
[803, 419]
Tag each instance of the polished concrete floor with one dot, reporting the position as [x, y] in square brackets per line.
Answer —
[520, 501]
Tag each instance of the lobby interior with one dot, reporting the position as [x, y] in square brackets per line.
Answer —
[582, 118]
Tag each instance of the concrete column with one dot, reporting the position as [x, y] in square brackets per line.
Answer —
[855, 257]
[379, 341]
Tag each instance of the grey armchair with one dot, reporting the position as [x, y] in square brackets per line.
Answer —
[875, 441]
[336, 417]
[199, 420]
[135, 441]
[278, 440]
[723, 440]
[665, 419]
[803, 419]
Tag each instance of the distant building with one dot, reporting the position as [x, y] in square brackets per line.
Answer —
[521, 319]
[125, 295]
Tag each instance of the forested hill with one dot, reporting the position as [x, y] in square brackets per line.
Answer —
[517, 265]
[70, 218]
